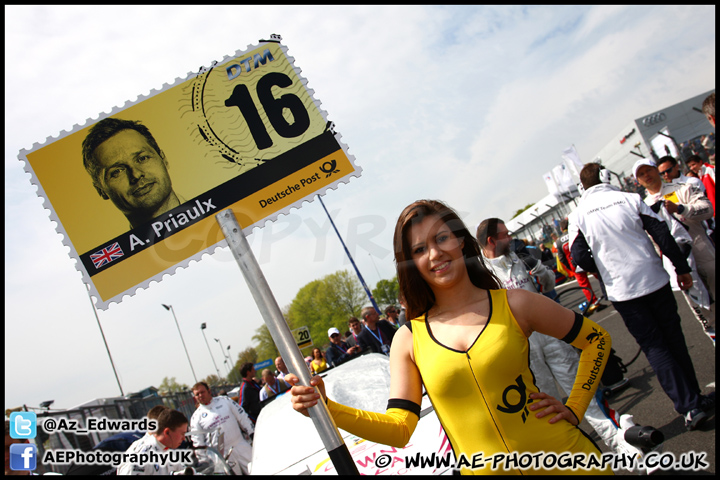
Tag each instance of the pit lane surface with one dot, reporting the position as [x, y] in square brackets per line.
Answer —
[644, 398]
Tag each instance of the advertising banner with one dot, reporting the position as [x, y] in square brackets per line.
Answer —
[134, 193]
[572, 160]
[550, 183]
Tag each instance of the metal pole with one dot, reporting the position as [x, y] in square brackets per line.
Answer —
[169, 307]
[105, 342]
[367, 290]
[282, 336]
[228, 360]
[222, 350]
[376, 269]
[229, 355]
[202, 329]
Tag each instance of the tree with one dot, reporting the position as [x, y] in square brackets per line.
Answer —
[247, 355]
[213, 379]
[522, 209]
[386, 292]
[345, 292]
[265, 345]
[325, 303]
[169, 385]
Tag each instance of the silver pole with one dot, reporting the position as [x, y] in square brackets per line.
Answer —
[202, 329]
[226, 360]
[105, 342]
[169, 307]
[282, 336]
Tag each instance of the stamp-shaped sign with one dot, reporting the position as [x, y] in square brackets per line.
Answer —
[135, 192]
[302, 337]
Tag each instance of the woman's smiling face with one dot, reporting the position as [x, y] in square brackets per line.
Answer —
[437, 252]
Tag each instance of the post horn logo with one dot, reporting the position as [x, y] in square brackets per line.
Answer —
[328, 168]
[594, 336]
[523, 401]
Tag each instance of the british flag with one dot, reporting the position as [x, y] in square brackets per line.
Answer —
[106, 255]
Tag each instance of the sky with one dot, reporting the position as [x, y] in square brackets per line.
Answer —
[470, 105]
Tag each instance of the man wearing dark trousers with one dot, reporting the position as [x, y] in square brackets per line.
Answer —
[609, 234]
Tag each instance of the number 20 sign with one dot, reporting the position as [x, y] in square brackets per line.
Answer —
[134, 192]
[302, 337]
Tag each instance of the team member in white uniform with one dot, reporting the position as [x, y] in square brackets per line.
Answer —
[609, 234]
[551, 359]
[688, 205]
[235, 425]
[172, 427]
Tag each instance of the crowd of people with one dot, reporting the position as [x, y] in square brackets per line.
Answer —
[474, 309]
[490, 318]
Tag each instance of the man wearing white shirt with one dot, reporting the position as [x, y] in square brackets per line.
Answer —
[235, 425]
[171, 430]
[281, 368]
[689, 206]
[669, 171]
[609, 234]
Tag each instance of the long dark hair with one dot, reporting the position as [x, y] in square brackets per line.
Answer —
[418, 295]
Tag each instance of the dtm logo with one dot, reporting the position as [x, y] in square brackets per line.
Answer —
[522, 402]
[23, 456]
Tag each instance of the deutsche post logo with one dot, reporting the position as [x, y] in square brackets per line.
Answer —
[593, 336]
[328, 168]
[522, 402]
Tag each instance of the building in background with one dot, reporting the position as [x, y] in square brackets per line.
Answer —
[648, 136]
[653, 135]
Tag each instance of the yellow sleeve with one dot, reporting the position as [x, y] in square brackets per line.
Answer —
[394, 427]
[595, 343]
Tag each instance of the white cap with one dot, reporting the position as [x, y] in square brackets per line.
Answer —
[333, 330]
[643, 161]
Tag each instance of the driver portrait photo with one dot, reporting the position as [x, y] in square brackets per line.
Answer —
[128, 168]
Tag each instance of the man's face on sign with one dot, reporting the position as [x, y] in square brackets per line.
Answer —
[132, 174]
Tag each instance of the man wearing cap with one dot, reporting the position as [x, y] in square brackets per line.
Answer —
[688, 205]
[339, 352]
[608, 235]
